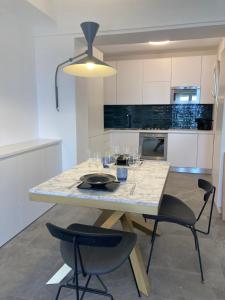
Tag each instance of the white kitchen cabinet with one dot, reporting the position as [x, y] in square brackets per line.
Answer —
[110, 87]
[156, 92]
[123, 141]
[157, 69]
[205, 151]
[186, 71]
[129, 82]
[208, 62]
[182, 149]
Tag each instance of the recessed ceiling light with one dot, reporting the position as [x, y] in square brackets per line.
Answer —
[158, 43]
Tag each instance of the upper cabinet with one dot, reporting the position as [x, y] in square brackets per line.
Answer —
[156, 92]
[186, 71]
[129, 82]
[110, 87]
[208, 63]
[156, 81]
[158, 69]
[149, 81]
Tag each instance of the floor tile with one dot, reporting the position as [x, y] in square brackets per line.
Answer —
[30, 259]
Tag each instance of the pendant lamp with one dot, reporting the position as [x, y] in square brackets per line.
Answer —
[88, 66]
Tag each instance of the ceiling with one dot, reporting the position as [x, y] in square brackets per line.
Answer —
[144, 48]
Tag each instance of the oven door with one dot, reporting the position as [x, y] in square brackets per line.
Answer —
[153, 146]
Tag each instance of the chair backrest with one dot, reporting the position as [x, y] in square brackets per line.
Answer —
[209, 190]
[85, 237]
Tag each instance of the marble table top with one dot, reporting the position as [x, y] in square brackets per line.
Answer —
[144, 186]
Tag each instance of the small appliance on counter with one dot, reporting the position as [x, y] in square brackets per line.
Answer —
[204, 124]
[122, 160]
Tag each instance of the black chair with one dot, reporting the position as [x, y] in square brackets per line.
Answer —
[91, 250]
[173, 210]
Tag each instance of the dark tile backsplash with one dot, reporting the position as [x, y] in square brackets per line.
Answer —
[178, 116]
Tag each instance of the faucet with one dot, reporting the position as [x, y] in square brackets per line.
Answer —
[129, 120]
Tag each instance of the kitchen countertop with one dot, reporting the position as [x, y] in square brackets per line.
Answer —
[185, 131]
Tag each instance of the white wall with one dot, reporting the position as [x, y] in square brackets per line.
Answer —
[50, 51]
[219, 144]
[89, 111]
[221, 48]
[82, 92]
[95, 103]
[133, 15]
[18, 105]
[45, 6]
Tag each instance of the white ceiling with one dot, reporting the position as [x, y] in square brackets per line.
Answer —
[139, 48]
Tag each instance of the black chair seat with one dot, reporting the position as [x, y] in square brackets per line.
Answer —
[99, 260]
[174, 210]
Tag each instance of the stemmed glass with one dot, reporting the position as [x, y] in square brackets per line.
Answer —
[108, 160]
[94, 159]
[115, 151]
[137, 158]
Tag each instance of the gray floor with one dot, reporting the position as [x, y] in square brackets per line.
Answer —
[29, 260]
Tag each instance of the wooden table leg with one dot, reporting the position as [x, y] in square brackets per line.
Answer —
[140, 224]
[108, 218]
[136, 260]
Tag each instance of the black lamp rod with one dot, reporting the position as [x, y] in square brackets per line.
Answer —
[90, 30]
[56, 75]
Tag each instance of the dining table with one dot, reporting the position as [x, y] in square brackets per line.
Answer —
[140, 194]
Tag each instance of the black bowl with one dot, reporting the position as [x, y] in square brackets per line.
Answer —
[98, 179]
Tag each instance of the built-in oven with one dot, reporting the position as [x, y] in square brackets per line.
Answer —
[153, 145]
[185, 95]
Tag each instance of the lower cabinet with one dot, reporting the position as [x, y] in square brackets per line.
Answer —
[125, 141]
[185, 150]
[182, 149]
[194, 150]
[205, 151]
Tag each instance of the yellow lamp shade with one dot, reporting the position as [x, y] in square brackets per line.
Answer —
[89, 67]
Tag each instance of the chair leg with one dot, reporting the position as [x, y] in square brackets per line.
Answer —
[77, 289]
[102, 283]
[132, 270]
[84, 289]
[192, 230]
[59, 291]
[86, 285]
[199, 255]
[152, 244]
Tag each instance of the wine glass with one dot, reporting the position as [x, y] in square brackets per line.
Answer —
[116, 151]
[131, 160]
[90, 158]
[97, 159]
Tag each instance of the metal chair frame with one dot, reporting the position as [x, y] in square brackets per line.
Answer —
[209, 190]
[88, 239]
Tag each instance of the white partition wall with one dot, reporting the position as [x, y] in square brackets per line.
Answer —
[51, 51]
[19, 171]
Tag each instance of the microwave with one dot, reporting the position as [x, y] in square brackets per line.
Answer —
[185, 95]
